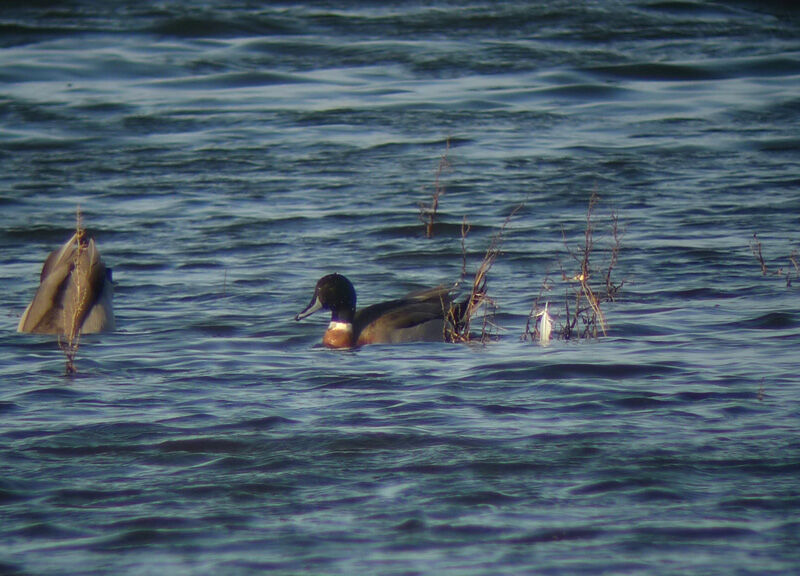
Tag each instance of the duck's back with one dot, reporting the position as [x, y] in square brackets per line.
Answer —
[418, 317]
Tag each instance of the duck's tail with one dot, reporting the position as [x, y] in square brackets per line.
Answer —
[74, 281]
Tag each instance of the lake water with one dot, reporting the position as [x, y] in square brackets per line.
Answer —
[227, 155]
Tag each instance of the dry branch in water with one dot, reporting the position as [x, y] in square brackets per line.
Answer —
[583, 298]
[794, 259]
[616, 236]
[460, 316]
[427, 212]
[70, 342]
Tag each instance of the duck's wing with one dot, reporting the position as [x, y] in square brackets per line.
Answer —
[100, 315]
[92, 290]
[417, 318]
[60, 258]
[439, 293]
[45, 312]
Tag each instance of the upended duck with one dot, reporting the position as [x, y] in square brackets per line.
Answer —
[75, 292]
[426, 316]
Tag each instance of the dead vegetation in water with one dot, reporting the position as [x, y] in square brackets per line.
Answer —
[69, 341]
[539, 325]
[766, 270]
[428, 212]
[587, 286]
[460, 316]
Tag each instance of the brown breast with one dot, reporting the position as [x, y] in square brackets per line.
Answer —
[338, 337]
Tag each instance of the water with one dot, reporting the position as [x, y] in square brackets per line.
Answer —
[225, 156]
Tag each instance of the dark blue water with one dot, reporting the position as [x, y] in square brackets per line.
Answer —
[225, 156]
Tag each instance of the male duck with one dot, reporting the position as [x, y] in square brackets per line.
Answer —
[420, 316]
[75, 292]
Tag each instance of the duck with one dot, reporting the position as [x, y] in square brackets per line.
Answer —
[75, 293]
[424, 316]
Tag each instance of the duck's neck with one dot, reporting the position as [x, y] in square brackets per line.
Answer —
[343, 315]
[338, 335]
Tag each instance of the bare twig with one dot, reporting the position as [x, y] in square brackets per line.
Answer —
[793, 258]
[755, 248]
[427, 212]
[584, 316]
[478, 293]
[611, 288]
[465, 228]
[72, 331]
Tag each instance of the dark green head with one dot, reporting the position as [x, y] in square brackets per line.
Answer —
[333, 292]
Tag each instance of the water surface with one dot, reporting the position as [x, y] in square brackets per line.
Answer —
[227, 156]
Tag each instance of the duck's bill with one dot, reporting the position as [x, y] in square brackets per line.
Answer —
[310, 309]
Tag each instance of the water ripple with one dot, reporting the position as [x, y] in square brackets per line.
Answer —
[225, 157]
